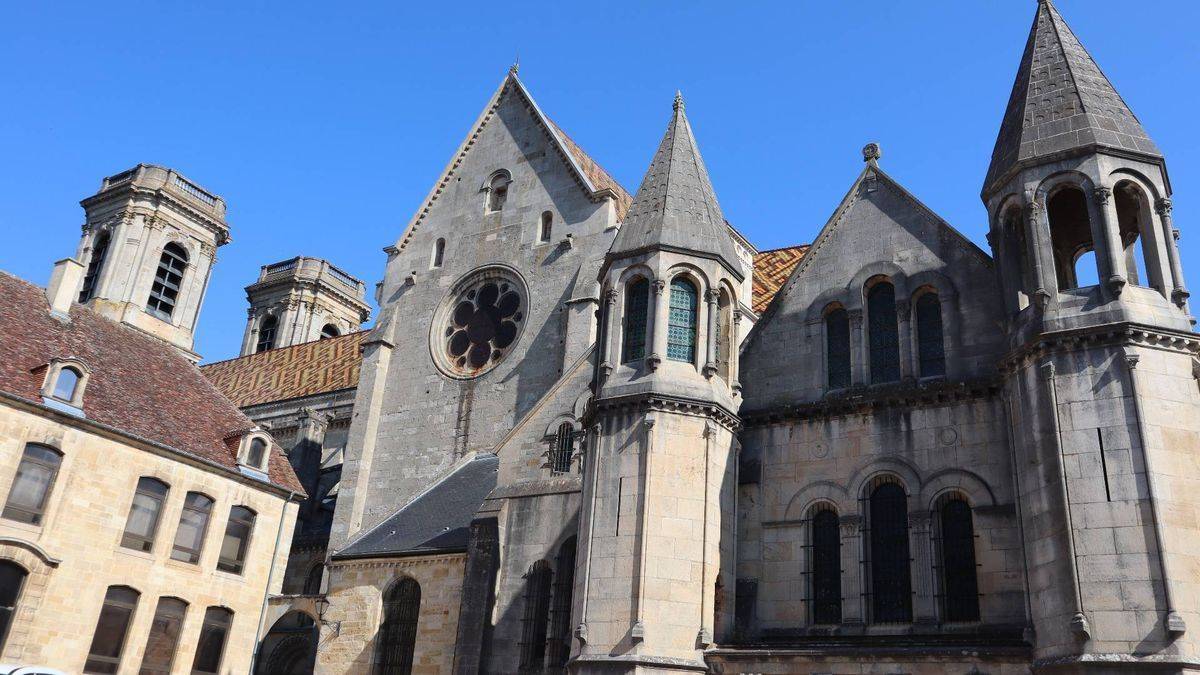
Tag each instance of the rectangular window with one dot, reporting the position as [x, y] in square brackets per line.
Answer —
[211, 647]
[193, 524]
[236, 540]
[142, 523]
[32, 485]
[164, 637]
[112, 628]
[634, 337]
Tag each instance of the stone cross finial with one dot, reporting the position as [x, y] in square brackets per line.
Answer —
[871, 153]
[678, 105]
[512, 70]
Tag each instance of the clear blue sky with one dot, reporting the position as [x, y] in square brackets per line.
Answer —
[324, 124]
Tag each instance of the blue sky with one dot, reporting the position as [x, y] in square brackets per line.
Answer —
[323, 125]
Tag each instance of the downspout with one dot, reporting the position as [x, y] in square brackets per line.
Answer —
[581, 632]
[704, 637]
[262, 614]
[1175, 623]
[1079, 622]
[638, 632]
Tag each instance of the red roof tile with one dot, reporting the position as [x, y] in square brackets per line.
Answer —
[290, 372]
[137, 385]
[771, 270]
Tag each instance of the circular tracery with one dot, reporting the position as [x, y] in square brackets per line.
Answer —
[480, 322]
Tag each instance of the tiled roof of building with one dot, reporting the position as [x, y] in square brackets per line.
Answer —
[771, 270]
[1061, 102]
[305, 369]
[137, 385]
[595, 173]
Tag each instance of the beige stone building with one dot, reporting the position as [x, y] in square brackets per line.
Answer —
[144, 516]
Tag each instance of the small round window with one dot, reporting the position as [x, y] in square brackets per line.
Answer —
[479, 322]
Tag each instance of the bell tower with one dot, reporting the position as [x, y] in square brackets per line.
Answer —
[149, 243]
[658, 518]
[1100, 336]
[301, 300]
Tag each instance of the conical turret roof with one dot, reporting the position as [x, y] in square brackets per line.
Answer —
[1062, 104]
[675, 208]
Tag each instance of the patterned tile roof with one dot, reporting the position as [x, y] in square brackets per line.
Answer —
[137, 385]
[771, 270]
[595, 173]
[305, 369]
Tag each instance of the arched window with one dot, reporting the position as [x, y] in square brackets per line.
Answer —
[960, 587]
[826, 567]
[214, 633]
[312, 581]
[681, 322]
[329, 331]
[112, 628]
[560, 614]
[837, 347]
[1071, 239]
[66, 384]
[168, 279]
[164, 637]
[498, 191]
[1135, 223]
[931, 352]
[1014, 261]
[12, 580]
[637, 298]
[236, 542]
[884, 336]
[398, 632]
[547, 227]
[95, 264]
[31, 487]
[142, 522]
[266, 334]
[725, 347]
[193, 525]
[439, 253]
[256, 454]
[536, 618]
[564, 447]
[891, 584]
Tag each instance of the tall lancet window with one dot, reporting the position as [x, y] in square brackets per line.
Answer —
[99, 253]
[826, 567]
[559, 648]
[891, 584]
[637, 297]
[960, 587]
[168, 279]
[536, 619]
[681, 322]
[837, 347]
[883, 333]
[397, 637]
[930, 349]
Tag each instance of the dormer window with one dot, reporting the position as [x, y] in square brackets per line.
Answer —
[256, 453]
[65, 382]
[498, 191]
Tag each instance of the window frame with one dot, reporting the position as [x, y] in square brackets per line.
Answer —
[8, 613]
[883, 334]
[238, 565]
[148, 542]
[130, 609]
[227, 629]
[175, 604]
[400, 621]
[268, 327]
[497, 189]
[881, 552]
[37, 514]
[545, 227]
[172, 252]
[248, 445]
[535, 620]
[817, 612]
[439, 254]
[54, 372]
[970, 563]
[635, 320]
[674, 326]
[836, 312]
[96, 261]
[923, 338]
[199, 551]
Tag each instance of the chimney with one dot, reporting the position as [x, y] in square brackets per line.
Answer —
[63, 288]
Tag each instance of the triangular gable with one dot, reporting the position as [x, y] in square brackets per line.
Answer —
[592, 178]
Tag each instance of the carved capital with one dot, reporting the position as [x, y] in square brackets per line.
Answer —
[920, 520]
[1033, 209]
[737, 316]
[710, 428]
[1162, 206]
[312, 419]
[711, 296]
[659, 286]
[1047, 370]
[710, 369]
[850, 524]
[1131, 360]
[1102, 193]
[610, 296]
[1180, 296]
[581, 633]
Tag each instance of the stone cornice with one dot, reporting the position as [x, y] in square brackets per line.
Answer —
[878, 397]
[394, 561]
[218, 227]
[661, 403]
[1109, 335]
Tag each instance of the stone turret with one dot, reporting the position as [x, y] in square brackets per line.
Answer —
[301, 300]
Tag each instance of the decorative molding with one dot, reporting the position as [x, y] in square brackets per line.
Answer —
[868, 399]
[1102, 193]
[650, 403]
[1109, 335]
[1163, 206]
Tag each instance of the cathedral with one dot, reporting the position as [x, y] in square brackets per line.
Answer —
[591, 432]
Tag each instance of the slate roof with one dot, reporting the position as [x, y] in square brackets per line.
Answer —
[306, 369]
[138, 385]
[1061, 103]
[437, 520]
[675, 207]
[771, 269]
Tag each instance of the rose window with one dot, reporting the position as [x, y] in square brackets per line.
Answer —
[482, 324]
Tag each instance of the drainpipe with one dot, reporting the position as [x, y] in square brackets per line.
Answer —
[262, 614]
[593, 448]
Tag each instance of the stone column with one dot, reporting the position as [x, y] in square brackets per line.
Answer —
[735, 345]
[1037, 238]
[853, 609]
[921, 545]
[250, 339]
[710, 362]
[905, 331]
[858, 358]
[306, 454]
[609, 345]
[1110, 253]
[1170, 240]
[658, 332]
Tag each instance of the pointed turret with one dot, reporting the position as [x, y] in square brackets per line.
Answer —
[1062, 105]
[675, 208]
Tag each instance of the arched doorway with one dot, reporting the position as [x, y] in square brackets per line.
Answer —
[290, 648]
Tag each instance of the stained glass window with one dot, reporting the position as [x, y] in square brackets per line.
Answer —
[398, 632]
[681, 322]
[930, 350]
[826, 568]
[837, 348]
[483, 325]
[884, 336]
[637, 297]
[891, 585]
[960, 589]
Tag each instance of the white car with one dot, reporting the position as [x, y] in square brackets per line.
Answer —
[11, 669]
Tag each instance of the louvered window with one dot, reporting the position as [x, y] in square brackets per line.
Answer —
[884, 336]
[560, 613]
[266, 334]
[95, 265]
[826, 568]
[837, 348]
[167, 281]
[960, 588]
[681, 322]
[930, 350]
[535, 620]
[560, 461]
[398, 633]
[637, 297]
[889, 564]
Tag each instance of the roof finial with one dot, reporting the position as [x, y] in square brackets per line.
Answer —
[512, 70]
[678, 105]
[871, 153]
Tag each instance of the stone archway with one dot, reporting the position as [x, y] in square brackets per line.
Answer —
[290, 647]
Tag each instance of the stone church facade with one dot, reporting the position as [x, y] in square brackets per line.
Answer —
[594, 433]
